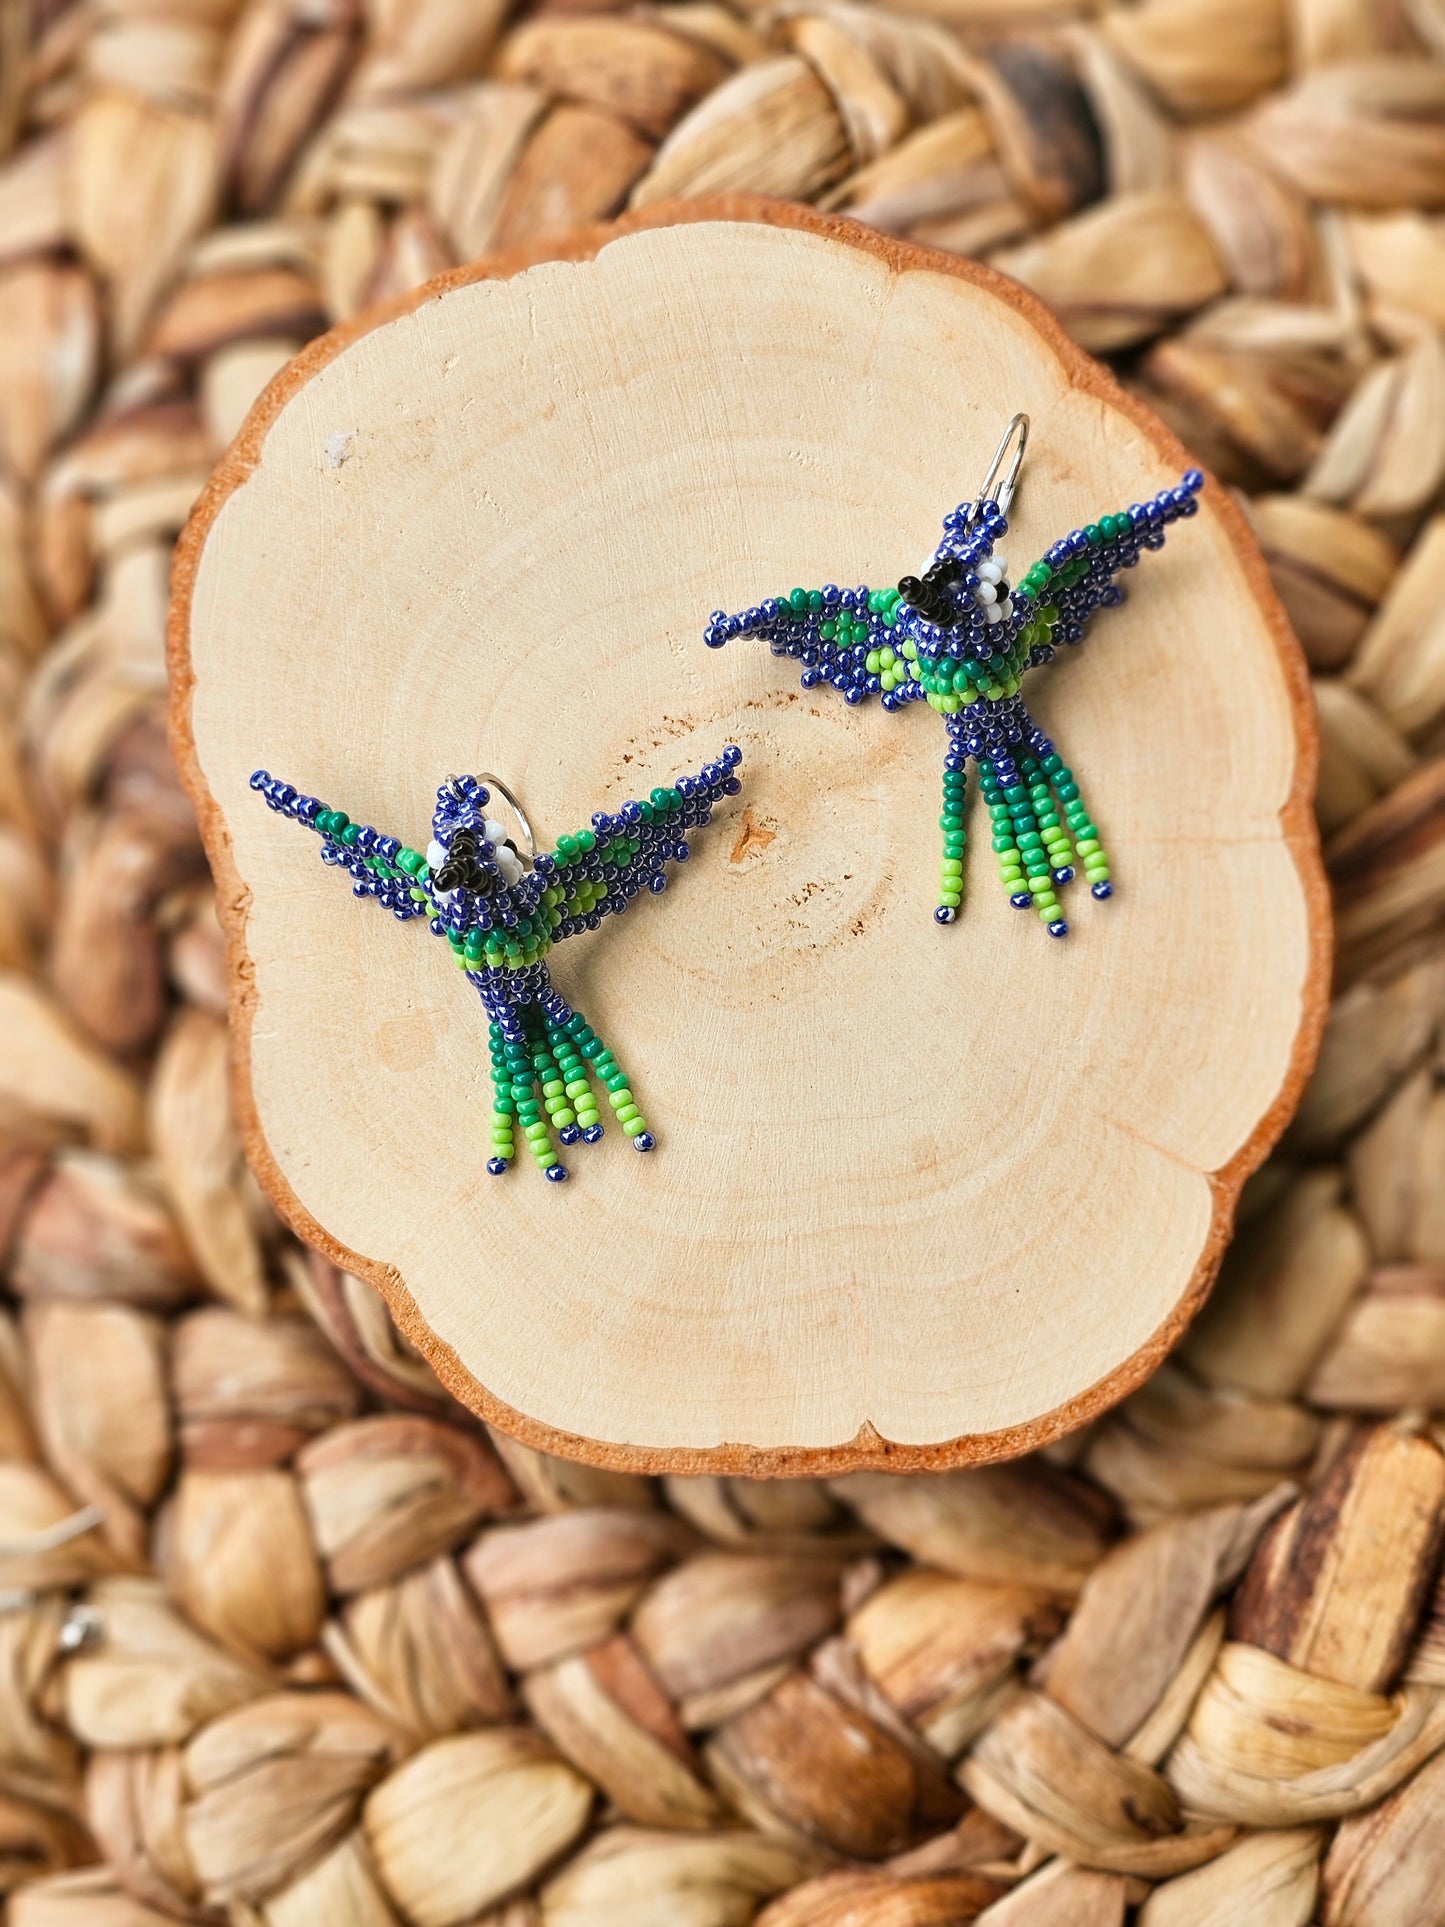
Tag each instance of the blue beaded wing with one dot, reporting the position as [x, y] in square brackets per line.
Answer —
[596, 872]
[849, 638]
[381, 867]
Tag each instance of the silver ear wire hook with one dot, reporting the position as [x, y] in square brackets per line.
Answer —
[1017, 435]
[508, 797]
[496, 783]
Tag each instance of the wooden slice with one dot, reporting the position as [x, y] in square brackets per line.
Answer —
[921, 1196]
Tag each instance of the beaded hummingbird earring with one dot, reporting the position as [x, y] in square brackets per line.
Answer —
[501, 910]
[962, 640]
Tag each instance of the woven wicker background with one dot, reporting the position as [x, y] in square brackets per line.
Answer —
[328, 1656]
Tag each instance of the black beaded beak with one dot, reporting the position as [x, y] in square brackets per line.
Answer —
[461, 869]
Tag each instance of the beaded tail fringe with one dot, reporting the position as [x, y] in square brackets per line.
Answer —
[962, 640]
[1042, 832]
[540, 1084]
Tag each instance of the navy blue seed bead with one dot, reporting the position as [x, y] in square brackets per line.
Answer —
[593, 1134]
[556, 1174]
[1021, 900]
[1064, 875]
[1102, 890]
[1059, 928]
[496, 1166]
[943, 914]
[644, 1141]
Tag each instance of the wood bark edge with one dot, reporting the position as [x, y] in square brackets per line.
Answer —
[868, 1450]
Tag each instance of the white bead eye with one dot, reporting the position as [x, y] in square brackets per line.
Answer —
[994, 614]
[1006, 607]
[985, 593]
[493, 832]
[436, 856]
[990, 571]
[1000, 562]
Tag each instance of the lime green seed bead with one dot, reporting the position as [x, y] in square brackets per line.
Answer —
[634, 1126]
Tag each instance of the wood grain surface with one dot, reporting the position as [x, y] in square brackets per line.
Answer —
[921, 1196]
